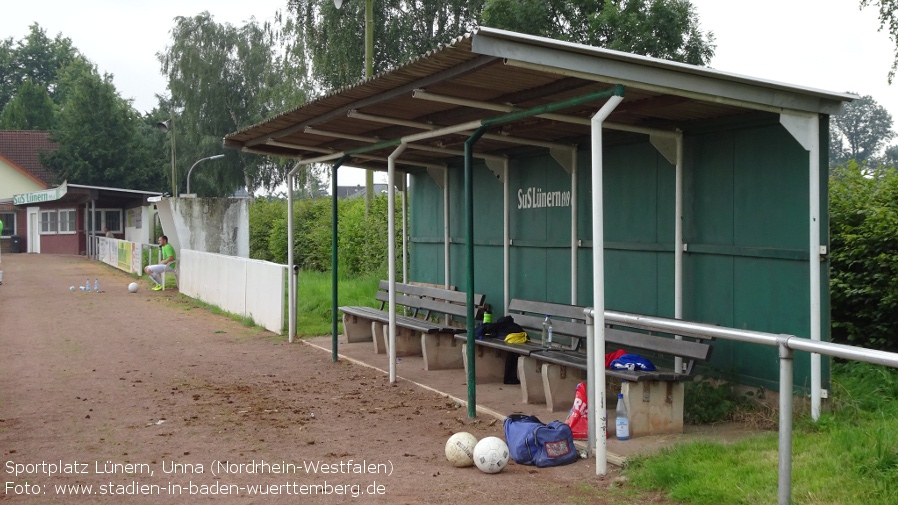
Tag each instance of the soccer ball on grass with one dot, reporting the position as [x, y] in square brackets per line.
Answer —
[491, 455]
[460, 449]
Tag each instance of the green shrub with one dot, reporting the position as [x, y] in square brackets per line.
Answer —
[262, 213]
[362, 237]
[864, 256]
[708, 403]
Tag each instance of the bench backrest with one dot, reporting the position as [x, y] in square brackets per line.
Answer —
[427, 301]
[657, 346]
[568, 321]
[569, 331]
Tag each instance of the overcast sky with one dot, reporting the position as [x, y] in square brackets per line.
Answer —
[825, 44]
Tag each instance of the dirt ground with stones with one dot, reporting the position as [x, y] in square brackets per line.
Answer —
[146, 397]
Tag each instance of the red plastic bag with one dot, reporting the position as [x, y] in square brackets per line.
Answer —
[577, 419]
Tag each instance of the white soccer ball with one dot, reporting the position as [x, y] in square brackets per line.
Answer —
[132, 288]
[491, 455]
[460, 449]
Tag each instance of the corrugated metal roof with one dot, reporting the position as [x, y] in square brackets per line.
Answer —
[480, 74]
[23, 148]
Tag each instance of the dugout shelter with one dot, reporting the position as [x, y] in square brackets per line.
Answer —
[561, 172]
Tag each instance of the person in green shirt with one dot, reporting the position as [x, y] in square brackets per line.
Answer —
[166, 265]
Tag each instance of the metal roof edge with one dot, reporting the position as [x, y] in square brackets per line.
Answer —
[119, 190]
[482, 36]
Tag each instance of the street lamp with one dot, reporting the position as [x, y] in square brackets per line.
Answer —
[369, 72]
[169, 126]
[217, 156]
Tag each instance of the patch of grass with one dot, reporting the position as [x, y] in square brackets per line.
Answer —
[193, 303]
[847, 456]
[313, 295]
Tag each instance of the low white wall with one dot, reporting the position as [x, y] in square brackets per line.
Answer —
[242, 286]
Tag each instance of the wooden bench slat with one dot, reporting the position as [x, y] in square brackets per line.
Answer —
[458, 297]
[428, 304]
[543, 308]
[682, 348]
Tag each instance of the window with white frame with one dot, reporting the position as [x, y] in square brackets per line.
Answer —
[67, 221]
[9, 223]
[49, 219]
[58, 221]
[105, 218]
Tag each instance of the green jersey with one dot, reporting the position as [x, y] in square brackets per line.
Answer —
[169, 251]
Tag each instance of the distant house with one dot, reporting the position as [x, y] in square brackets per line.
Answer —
[359, 191]
[40, 215]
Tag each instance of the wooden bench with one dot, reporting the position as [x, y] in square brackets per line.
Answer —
[426, 319]
[568, 326]
[654, 399]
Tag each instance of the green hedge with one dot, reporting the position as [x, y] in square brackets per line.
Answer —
[864, 256]
[362, 236]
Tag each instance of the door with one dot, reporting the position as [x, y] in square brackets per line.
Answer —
[33, 233]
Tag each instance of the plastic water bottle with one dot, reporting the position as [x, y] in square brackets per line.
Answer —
[621, 421]
[87, 286]
[96, 285]
[547, 333]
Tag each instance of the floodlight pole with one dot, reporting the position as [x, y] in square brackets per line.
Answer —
[165, 127]
[369, 72]
[217, 156]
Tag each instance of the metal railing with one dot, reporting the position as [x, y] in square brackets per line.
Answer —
[786, 344]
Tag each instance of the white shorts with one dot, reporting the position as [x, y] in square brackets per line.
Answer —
[158, 269]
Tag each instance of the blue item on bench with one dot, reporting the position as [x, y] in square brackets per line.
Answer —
[531, 442]
[632, 362]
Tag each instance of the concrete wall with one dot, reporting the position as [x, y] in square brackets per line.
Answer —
[253, 288]
[215, 225]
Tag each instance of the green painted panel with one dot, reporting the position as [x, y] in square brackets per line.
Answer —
[665, 293]
[631, 194]
[708, 182]
[770, 296]
[770, 197]
[426, 198]
[528, 283]
[745, 220]
[421, 271]
[558, 275]
[631, 281]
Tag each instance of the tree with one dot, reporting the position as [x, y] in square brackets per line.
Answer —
[223, 78]
[864, 261]
[890, 159]
[888, 18]
[37, 59]
[860, 131]
[30, 109]
[97, 132]
[331, 41]
[666, 29]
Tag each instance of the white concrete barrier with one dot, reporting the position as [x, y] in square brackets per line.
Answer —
[247, 287]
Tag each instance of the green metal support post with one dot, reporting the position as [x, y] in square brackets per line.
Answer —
[469, 251]
[335, 277]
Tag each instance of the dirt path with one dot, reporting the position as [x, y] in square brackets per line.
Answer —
[153, 397]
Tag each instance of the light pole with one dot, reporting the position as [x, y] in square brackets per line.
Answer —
[169, 126]
[217, 156]
[369, 72]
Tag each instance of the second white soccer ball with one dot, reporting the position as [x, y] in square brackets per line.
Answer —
[460, 449]
[491, 455]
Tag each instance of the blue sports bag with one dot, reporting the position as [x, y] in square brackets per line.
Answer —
[531, 442]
